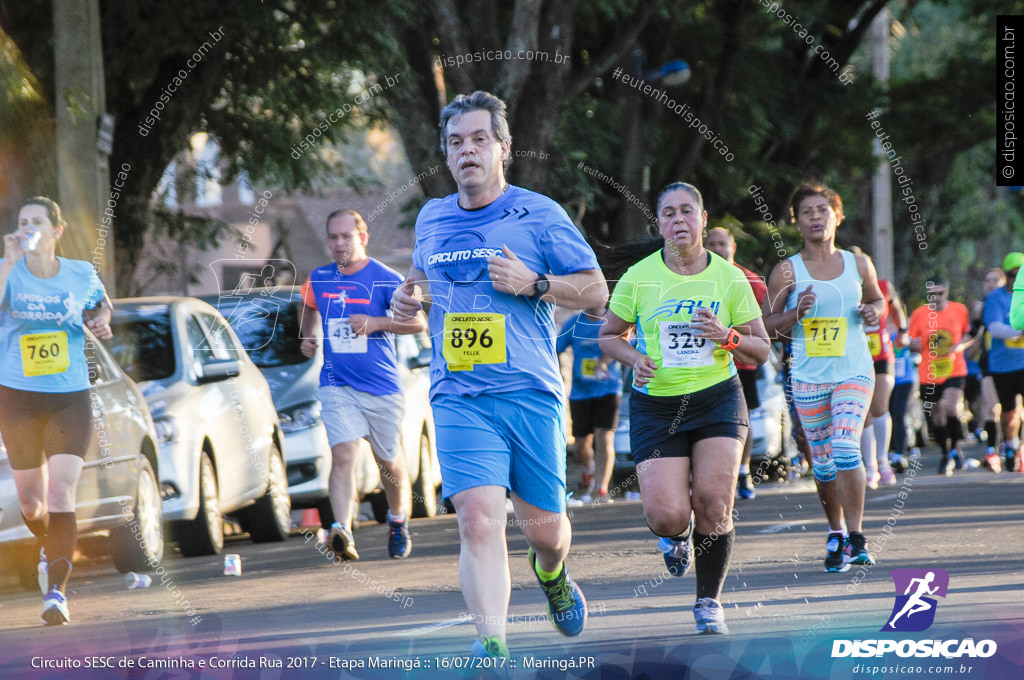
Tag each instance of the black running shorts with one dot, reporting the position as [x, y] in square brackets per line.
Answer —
[599, 413]
[37, 425]
[1008, 386]
[668, 427]
[932, 393]
[885, 367]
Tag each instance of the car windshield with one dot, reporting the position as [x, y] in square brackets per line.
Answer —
[143, 345]
[268, 329]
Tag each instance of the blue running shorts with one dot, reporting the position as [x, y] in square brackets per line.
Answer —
[512, 439]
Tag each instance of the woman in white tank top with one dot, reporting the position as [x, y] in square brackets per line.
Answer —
[822, 298]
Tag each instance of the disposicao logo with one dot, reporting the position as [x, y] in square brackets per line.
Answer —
[913, 612]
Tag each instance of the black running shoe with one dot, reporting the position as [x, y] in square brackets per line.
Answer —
[857, 549]
[835, 557]
[342, 543]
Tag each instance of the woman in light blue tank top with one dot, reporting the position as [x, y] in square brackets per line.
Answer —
[46, 303]
[822, 298]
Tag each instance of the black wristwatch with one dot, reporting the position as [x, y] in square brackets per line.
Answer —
[540, 286]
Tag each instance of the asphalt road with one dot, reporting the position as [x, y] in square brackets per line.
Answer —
[298, 615]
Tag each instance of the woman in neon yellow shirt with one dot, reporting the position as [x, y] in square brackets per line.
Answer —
[692, 312]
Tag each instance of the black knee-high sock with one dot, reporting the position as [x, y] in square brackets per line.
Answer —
[956, 432]
[326, 512]
[38, 527]
[681, 536]
[992, 433]
[712, 562]
[941, 436]
[60, 547]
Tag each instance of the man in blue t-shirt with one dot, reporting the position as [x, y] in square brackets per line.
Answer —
[359, 390]
[593, 402]
[1006, 361]
[494, 259]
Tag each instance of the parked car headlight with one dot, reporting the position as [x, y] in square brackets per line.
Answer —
[300, 417]
[166, 430]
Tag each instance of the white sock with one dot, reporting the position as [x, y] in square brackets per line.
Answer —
[882, 428]
[867, 448]
[396, 518]
[745, 469]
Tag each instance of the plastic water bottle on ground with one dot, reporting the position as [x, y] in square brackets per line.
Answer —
[133, 580]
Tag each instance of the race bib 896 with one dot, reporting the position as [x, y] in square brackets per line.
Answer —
[473, 339]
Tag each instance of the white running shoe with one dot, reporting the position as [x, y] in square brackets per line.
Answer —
[710, 617]
[55, 608]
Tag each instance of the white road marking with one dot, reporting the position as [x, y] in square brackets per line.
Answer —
[432, 627]
[774, 529]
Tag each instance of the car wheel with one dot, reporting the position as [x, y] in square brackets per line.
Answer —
[424, 491]
[139, 544]
[379, 506]
[270, 519]
[204, 535]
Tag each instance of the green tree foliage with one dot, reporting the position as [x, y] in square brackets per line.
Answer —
[940, 112]
[760, 84]
[280, 70]
[26, 158]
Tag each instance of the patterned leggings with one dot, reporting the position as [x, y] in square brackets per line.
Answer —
[832, 415]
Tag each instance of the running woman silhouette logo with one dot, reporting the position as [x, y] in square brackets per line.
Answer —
[913, 610]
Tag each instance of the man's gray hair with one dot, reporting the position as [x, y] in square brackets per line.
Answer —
[478, 101]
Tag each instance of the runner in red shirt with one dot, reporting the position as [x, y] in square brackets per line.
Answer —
[721, 242]
[874, 441]
[940, 330]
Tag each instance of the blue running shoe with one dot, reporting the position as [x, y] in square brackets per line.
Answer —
[399, 542]
[55, 608]
[1011, 457]
[678, 554]
[745, 488]
[710, 617]
[492, 646]
[957, 459]
[567, 608]
[492, 660]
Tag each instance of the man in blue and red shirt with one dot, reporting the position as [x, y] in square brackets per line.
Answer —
[360, 392]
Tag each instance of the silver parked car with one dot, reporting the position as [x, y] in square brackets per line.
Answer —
[118, 492]
[267, 321]
[770, 426]
[220, 441]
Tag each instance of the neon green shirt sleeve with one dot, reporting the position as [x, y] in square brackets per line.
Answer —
[1017, 305]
